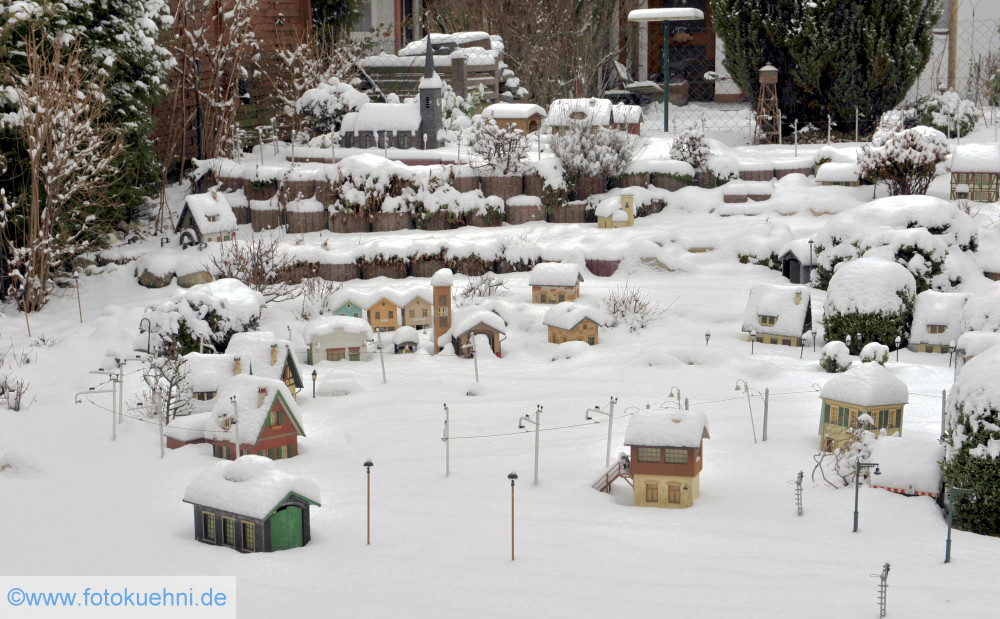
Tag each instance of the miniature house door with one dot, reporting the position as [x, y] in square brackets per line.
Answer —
[286, 528]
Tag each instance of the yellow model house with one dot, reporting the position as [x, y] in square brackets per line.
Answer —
[780, 314]
[554, 282]
[667, 456]
[417, 311]
[867, 395]
[383, 315]
[937, 318]
[573, 322]
[616, 212]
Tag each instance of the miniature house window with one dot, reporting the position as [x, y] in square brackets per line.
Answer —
[442, 322]
[543, 298]
[562, 298]
[212, 218]
[390, 314]
[427, 103]
[767, 321]
[334, 354]
[208, 526]
[673, 493]
[936, 328]
[354, 353]
[649, 454]
[423, 313]
[590, 341]
[274, 418]
[413, 314]
[883, 418]
[248, 538]
[357, 314]
[378, 315]
[228, 531]
[651, 493]
[675, 456]
[442, 300]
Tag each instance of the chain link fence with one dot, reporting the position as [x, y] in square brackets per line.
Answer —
[977, 62]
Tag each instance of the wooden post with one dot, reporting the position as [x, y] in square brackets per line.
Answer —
[952, 42]
[460, 76]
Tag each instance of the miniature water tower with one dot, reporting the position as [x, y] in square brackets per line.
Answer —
[768, 114]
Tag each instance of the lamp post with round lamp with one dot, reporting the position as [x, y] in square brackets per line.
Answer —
[513, 478]
[368, 471]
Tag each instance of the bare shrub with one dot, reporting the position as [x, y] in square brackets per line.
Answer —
[584, 149]
[486, 286]
[260, 264]
[317, 294]
[169, 392]
[502, 149]
[14, 389]
[632, 306]
[840, 465]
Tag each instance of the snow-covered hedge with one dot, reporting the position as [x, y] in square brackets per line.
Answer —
[835, 357]
[918, 232]
[324, 106]
[972, 444]
[947, 112]
[872, 297]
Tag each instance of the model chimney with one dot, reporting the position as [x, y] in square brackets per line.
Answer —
[274, 354]
[798, 297]
[261, 396]
[237, 368]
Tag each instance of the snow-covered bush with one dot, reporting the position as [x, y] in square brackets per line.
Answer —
[633, 307]
[839, 466]
[875, 352]
[691, 147]
[947, 112]
[972, 444]
[872, 297]
[586, 150]
[324, 106]
[919, 232]
[835, 357]
[501, 149]
[486, 286]
[906, 162]
[207, 313]
[455, 109]
[317, 296]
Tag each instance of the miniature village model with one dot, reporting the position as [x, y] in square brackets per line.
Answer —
[345, 238]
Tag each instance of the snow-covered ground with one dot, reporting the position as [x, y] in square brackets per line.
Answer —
[75, 503]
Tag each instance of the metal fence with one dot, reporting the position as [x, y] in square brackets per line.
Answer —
[977, 60]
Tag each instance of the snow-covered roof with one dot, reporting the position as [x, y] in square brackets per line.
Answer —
[866, 385]
[982, 311]
[779, 301]
[443, 277]
[567, 315]
[665, 14]
[383, 117]
[434, 81]
[405, 335]
[467, 318]
[249, 486]
[831, 172]
[513, 110]
[976, 158]
[868, 285]
[254, 348]
[187, 428]
[207, 372]
[419, 46]
[608, 207]
[905, 462]
[626, 114]
[800, 250]
[937, 308]
[318, 327]
[666, 428]
[595, 111]
[211, 212]
[972, 343]
[555, 274]
[252, 409]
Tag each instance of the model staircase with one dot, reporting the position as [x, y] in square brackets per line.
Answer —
[618, 469]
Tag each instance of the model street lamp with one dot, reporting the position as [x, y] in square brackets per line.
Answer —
[314, 375]
[708, 334]
[753, 339]
[368, 471]
[953, 493]
[814, 339]
[665, 15]
[512, 477]
[899, 342]
[857, 484]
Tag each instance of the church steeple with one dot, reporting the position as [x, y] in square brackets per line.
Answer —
[429, 100]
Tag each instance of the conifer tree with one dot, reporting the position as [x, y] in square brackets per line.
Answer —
[834, 56]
